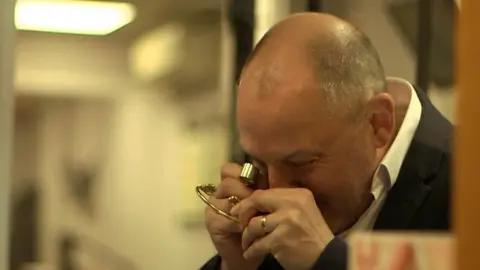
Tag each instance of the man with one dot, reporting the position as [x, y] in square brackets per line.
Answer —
[339, 148]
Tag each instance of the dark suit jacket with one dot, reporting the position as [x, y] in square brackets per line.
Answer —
[420, 198]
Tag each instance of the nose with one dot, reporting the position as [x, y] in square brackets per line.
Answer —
[279, 178]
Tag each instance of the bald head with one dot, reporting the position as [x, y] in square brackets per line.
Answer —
[343, 61]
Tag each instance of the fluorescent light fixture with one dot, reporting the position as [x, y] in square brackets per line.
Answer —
[73, 17]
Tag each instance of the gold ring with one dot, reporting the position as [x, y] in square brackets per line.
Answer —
[208, 190]
[233, 200]
[263, 223]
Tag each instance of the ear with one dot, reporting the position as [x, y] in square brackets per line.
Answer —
[382, 119]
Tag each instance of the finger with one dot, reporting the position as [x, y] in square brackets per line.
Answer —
[230, 170]
[250, 206]
[263, 246]
[272, 199]
[255, 230]
[245, 210]
[221, 223]
[403, 257]
[232, 187]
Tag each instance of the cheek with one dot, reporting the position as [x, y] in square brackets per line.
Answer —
[326, 182]
[343, 178]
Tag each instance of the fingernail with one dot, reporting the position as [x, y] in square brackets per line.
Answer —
[234, 211]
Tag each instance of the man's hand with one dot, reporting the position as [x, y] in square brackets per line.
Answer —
[293, 229]
[226, 234]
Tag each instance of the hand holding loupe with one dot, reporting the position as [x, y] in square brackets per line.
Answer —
[247, 175]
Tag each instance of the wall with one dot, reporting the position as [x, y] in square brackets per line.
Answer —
[55, 69]
[146, 179]
[25, 155]
[61, 66]
[138, 207]
[398, 60]
[93, 111]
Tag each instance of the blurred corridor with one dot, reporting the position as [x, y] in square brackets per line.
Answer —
[113, 132]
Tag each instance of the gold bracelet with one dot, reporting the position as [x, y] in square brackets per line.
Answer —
[208, 190]
[247, 175]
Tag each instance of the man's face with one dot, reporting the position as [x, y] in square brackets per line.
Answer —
[296, 143]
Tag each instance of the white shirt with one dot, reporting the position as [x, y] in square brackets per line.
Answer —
[387, 172]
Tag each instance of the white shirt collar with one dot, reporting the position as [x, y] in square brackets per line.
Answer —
[387, 172]
[389, 168]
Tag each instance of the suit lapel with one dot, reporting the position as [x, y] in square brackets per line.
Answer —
[420, 164]
[410, 190]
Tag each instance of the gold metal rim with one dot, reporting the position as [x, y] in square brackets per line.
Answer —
[205, 191]
[248, 173]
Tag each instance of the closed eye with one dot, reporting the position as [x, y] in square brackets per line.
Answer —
[303, 163]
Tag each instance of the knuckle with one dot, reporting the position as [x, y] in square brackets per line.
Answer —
[305, 196]
[222, 190]
[257, 193]
[294, 215]
[283, 217]
[253, 222]
[225, 188]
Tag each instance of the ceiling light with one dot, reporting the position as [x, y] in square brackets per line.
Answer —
[72, 17]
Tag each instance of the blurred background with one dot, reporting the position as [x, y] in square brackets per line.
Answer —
[121, 110]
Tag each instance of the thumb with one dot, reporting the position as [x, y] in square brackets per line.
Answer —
[403, 257]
